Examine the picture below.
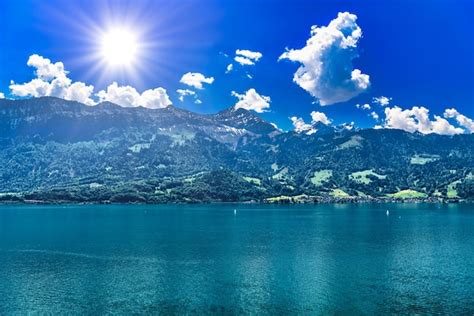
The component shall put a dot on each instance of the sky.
(383, 64)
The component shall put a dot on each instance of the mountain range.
(53, 150)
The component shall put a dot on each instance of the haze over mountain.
(57, 150)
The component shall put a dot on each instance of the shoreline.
(262, 202)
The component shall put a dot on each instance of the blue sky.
(419, 53)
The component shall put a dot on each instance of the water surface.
(310, 259)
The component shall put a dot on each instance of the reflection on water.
(347, 259)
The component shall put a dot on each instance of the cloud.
(80, 92)
(247, 57)
(383, 101)
(128, 96)
(196, 80)
(2, 96)
(229, 68)
(374, 115)
(417, 119)
(363, 106)
(52, 80)
(300, 126)
(45, 69)
(184, 92)
(251, 100)
(249, 54)
(319, 117)
(462, 120)
(154, 98)
(326, 71)
(348, 126)
(244, 61)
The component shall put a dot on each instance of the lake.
(264, 259)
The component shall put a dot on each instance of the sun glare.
(119, 47)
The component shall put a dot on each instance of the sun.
(119, 47)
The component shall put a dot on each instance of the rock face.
(110, 153)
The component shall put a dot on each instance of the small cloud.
(365, 106)
(300, 126)
(249, 76)
(255, 56)
(2, 96)
(244, 61)
(196, 80)
(374, 115)
(417, 119)
(251, 100)
(383, 101)
(229, 68)
(184, 92)
(326, 70)
(247, 57)
(348, 126)
(128, 96)
(462, 120)
(319, 117)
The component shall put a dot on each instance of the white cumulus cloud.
(196, 79)
(462, 120)
(229, 68)
(247, 57)
(326, 70)
(128, 96)
(383, 101)
(2, 96)
(252, 100)
(300, 126)
(417, 119)
(45, 69)
(319, 117)
(154, 98)
(52, 80)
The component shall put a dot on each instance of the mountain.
(54, 150)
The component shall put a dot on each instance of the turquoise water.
(324, 259)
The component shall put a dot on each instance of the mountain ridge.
(56, 150)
